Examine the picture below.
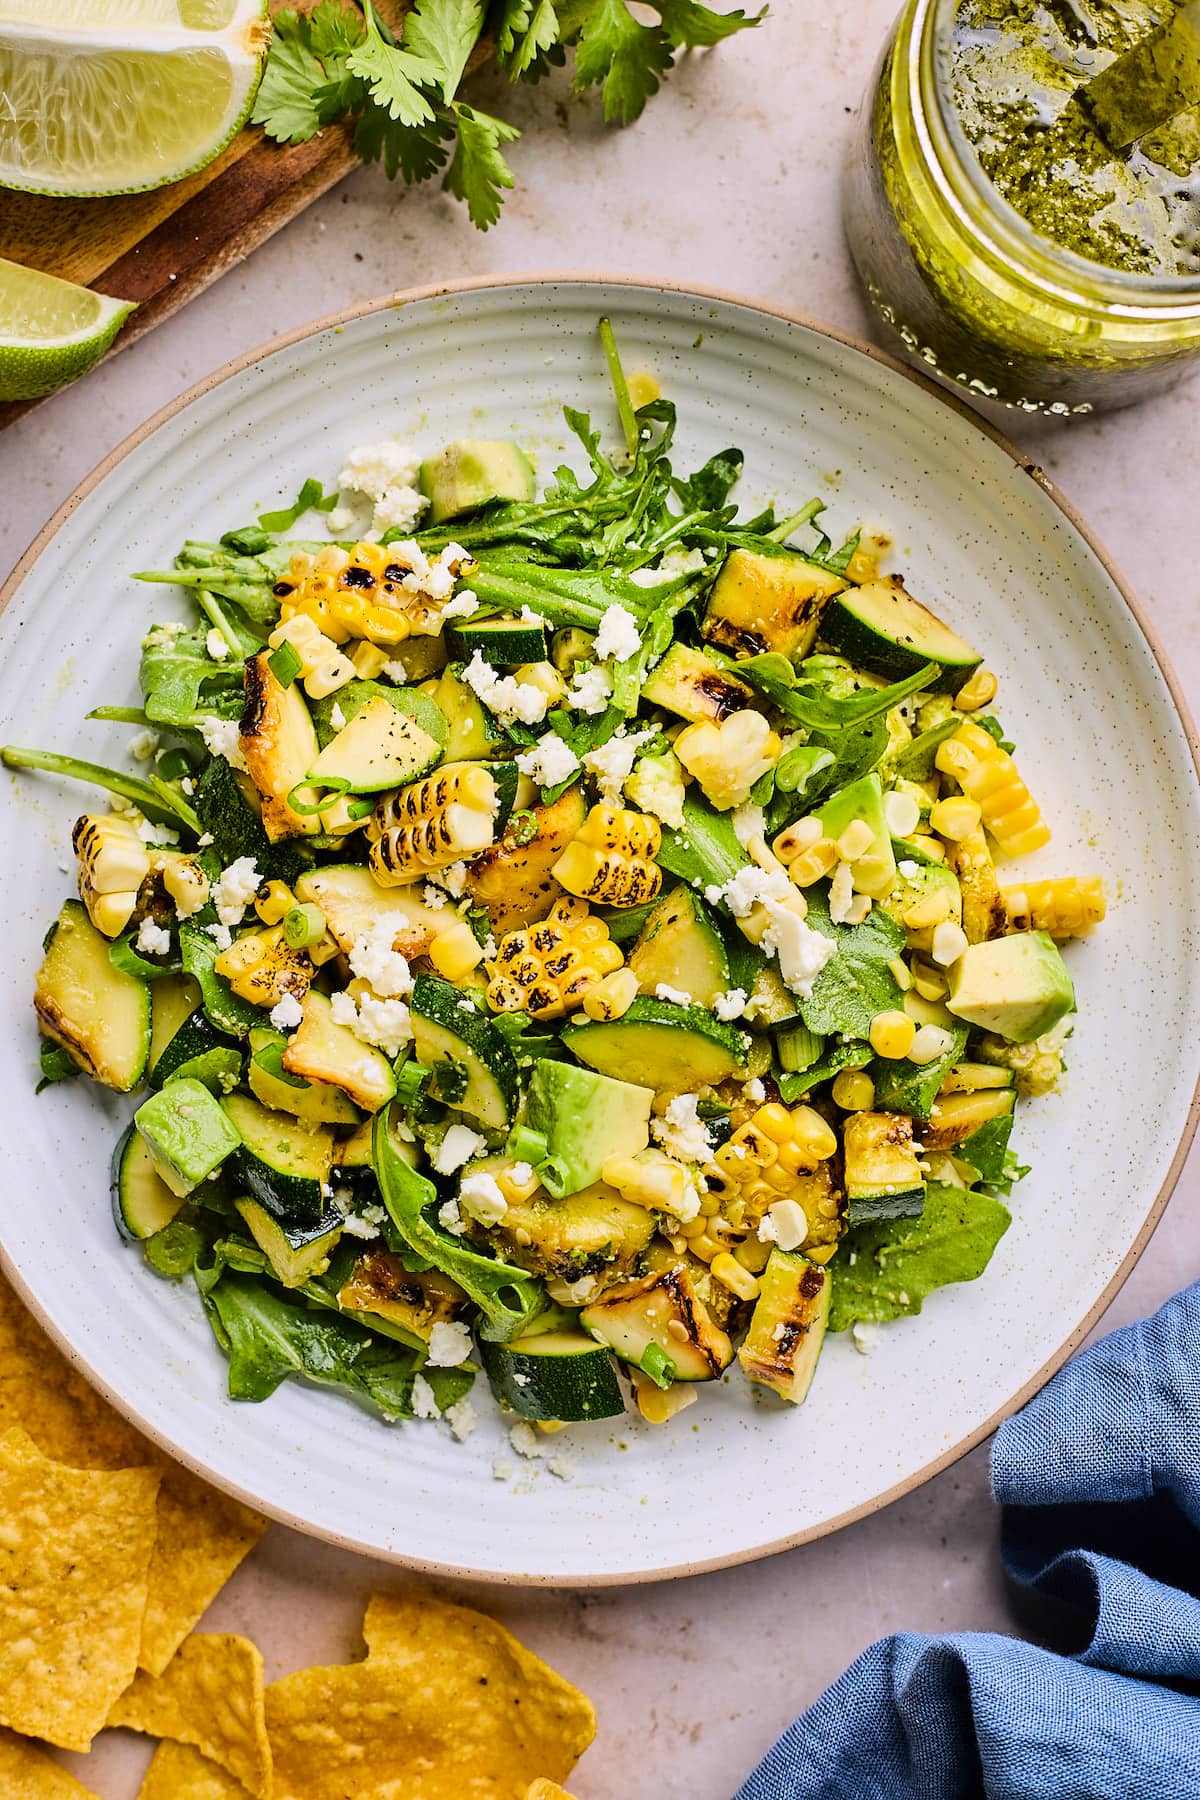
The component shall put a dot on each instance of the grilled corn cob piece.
(654, 1180)
(988, 775)
(983, 911)
(370, 592)
(260, 967)
(546, 969)
(612, 996)
(113, 863)
(442, 819)
(611, 858)
(323, 667)
(727, 759)
(779, 1155)
(1067, 906)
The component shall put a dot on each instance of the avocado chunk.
(760, 603)
(186, 1132)
(472, 472)
(875, 870)
(585, 1118)
(1016, 986)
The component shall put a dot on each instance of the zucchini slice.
(349, 700)
(321, 1050)
(281, 1162)
(379, 748)
(279, 742)
(275, 1086)
(761, 603)
(199, 1050)
(660, 1045)
(592, 1232)
(472, 732)
(956, 1116)
(142, 1201)
(99, 1015)
(883, 1176)
(174, 998)
(680, 947)
(554, 1375)
(635, 1320)
(503, 642)
(689, 683)
(882, 628)
(295, 1252)
(379, 1286)
(787, 1327)
(473, 1067)
(353, 902)
(968, 1078)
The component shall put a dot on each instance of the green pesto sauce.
(1016, 66)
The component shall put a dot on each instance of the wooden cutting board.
(163, 247)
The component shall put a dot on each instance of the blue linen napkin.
(1099, 1478)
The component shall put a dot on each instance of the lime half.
(101, 98)
(50, 330)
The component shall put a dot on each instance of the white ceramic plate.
(1099, 736)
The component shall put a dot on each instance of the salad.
(560, 936)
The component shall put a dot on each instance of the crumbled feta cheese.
(527, 615)
(375, 961)
(424, 1404)
(802, 951)
(673, 564)
(235, 889)
(150, 833)
(525, 1441)
(337, 717)
(589, 690)
(681, 1130)
(508, 698)
(386, 475)
(754, 1091)
(386, 1024)
(462, 606)
(453, 879)
(189, 787)
(550, 761)
(406, 553)
(450, 1219)
(462, 1419)
(676, 996)
(204, 840)
(221, 739)
(612, 763)
(287, 1013)
(521, 1172)
(619, 635)
(216, 645)
(841, 893)
(397, 510)
(144, 745)
(748, 821)
(152, 939)
(353, 1226)
(858, 909)
(221, 935)
(434, 897)
(502, 1469)
(767, 1234)
(340, 522)
(458, 1146)
(749, 888)
(790, 1222)
(480, 1196)
(449, 1345)
(864, 1336)
(731, 1004)
(562, 1464)
(908, 868)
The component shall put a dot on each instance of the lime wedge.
(50, 330)
(113, 96)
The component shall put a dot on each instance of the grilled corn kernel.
(369, 660)
(797, 838)
(113, 863)
(900, 973)
(656, 1404)
(445, 818)
(260, 967)
(706, 1246)
(891, 1035)
(989, 776)
(612, 996)
(955, 818)
(813, 863)
(948, 943)
(548, 968)
(183, 880)
(654, 1180)
(273, 901)
(544, 677)
(930, 1042)
(455, 952)
(611, 857)
(855, 841)
(767, 1158)
(976, 691)
(902, 814)
(929, 982)
(1067, 906)
(357, 595)
(727, 759)
(734, 1276)
(854, 1091)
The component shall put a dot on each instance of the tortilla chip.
(211, 1695)
(548, 1790)
(26, 1773)
(75, 1550)
(202, 1535)
(447, 1706)
(177, 1772)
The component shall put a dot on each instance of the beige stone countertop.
(730, 180)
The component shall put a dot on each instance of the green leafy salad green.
(571, 935)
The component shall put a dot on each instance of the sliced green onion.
(526, 1145)
(285, 663)
(658, 1365)
(410, 1081)
(303, 926)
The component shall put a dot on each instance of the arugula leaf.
(815, 707)
(394, 76)
(855, 984)
(312, 497)
(897, 1264)
(625, 59)
(174, 671)
(152, 796)
(478, 172)
(443, 34)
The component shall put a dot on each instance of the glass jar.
(961, 283)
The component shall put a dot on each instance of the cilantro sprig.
(401, 90)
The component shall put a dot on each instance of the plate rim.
(849, 340)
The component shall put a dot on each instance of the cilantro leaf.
(414, 151)
(526, 31)
(395, 76)
(897, 1264)
(855, 984)
(284, 105)
(626, 59)
(478, 172)
(443, 33)
(695, 27)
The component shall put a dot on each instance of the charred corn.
(1067, 906)
(612, 996)
(983, 910)
(323, 667)
(260, 967)
(113, 863)
(432, 823)
(988, 775)
(183, 880)
(654, 1180)
(370, 592)
(778, 1154)
(727, 759)
(546, 969)
(611, 858)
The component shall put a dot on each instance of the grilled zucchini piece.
(474, 1069)
(353, 903)
(99, 1015)
(321, 1050)
(380, 747)
(883, 1176)
(956, 1116)
(174, 998)
(560, 1375)
(761, 603)
(680, 946)
(689, 683)
(276, 1087)
(592, 1232)
(635, 1320)
(283, 1163)
(142, 1201)
(295, 1252)
(660, 1045)
(513, 878)
(279, 742)
(787, 1327)
(380, 1286)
